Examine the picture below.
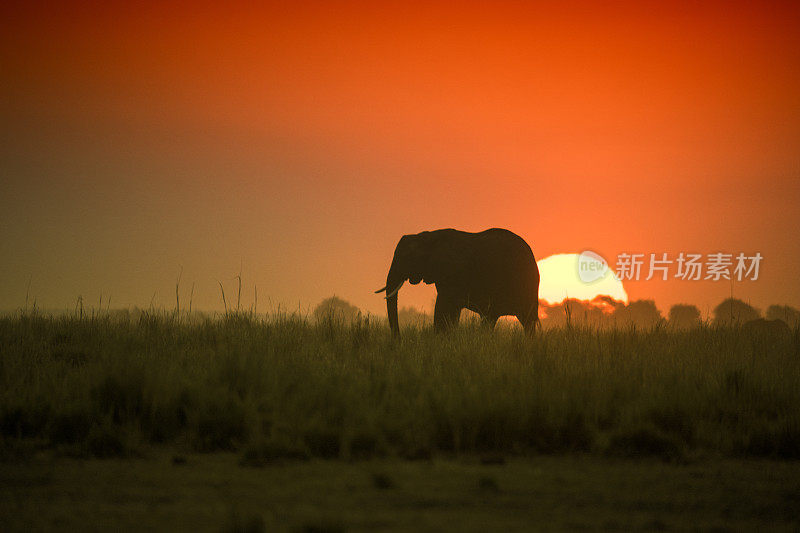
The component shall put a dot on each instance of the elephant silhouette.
(492, 273)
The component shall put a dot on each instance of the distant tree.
(639, 313)
(595, 313)
(787, 313)
(558, 314)
(334, 308)
(733, 312)
(607, 302)
(411, 316)
(590, 314)
(769, 328)
(684, 316)
(546, 309)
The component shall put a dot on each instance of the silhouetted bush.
(600, 313)
(684, 316)
(335, 309)
(788, 314)
(733, 312)
(639, 313)
(596, 313)
(760, 330)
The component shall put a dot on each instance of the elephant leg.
(445, 314)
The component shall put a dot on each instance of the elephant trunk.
(393, 283)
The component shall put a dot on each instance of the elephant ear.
(445, 260)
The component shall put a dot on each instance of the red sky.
(298, 143)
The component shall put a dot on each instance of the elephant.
(492, 273)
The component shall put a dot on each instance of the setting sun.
(560, 279)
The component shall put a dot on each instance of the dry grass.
(282, 387)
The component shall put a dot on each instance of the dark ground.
(212, 492)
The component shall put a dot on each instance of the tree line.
(601, 312)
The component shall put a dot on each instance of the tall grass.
(284, 387)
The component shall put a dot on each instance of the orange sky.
(301, 142)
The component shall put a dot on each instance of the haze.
(297, 144)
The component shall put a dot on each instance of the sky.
(296, 143)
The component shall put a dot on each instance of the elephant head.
(420, 257)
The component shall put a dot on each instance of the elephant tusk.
(381, 290)
(390, 294)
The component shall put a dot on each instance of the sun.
(581, 276)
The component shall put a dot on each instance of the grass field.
(607, 418)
